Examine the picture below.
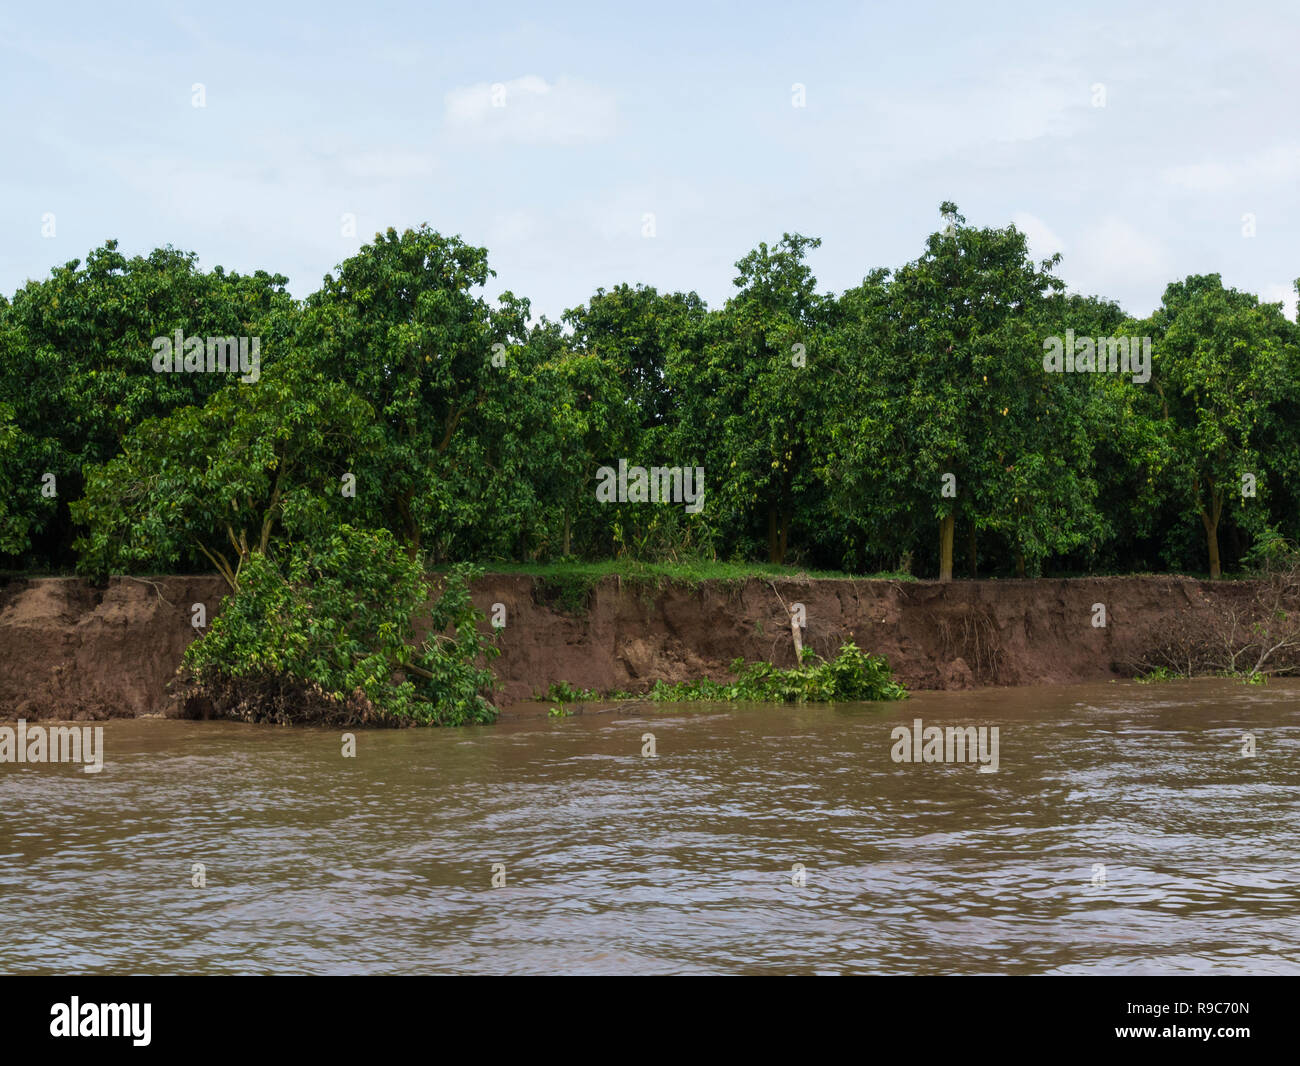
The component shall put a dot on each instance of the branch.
(222, 565)
(398, 665)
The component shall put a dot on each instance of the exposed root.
(973, 637)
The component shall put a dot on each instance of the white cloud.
(528, 110)
(395, 165)
(1271, 294)
(1043, 241)
(1115, 258)
(511, 228)
(1277, 164)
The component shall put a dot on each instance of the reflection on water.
(681, 863)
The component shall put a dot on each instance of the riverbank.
(72, 650)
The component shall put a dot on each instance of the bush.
(853, 675)
(328, 636)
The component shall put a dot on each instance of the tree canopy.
(929, 418)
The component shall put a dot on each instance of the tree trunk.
(785, 534)
(773, 537)
(973, 556)
(947, 527)
(1020, 564)
(566, 533)
(1210, 520)
(1212, 540)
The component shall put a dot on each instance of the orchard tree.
(757, 397)
(78, 363)
(1225, 373)
(257, 463)
(630, 395)
(28, 496)
(640, 332)
(401, 323)
(589, 424)
(951, 412)
(18, 501)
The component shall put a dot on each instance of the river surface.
(615, 862)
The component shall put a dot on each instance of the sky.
(586, 145)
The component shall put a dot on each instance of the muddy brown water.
(683, 863)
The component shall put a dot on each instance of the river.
(685, 862)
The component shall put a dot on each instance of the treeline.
(908, 422)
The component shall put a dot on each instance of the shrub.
(328, 636)
(853, 675)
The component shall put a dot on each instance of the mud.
(71, 650)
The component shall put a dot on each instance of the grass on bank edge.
(690, 571)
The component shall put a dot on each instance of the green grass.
(690, 572)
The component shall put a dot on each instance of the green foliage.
(76, 359)
(1227, 385)
(755, 396)
(256, 463)
(824, 424)
(1158, 675)
(332, 625)
(563, 692)
(852, 676)
(400, 322)
(945, 363)
(20, 506)
(627, 385)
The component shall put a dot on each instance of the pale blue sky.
(384, 110)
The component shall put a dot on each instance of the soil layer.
(72, 650)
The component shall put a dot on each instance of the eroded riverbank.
(72, 650)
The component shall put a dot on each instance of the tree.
(629, 371)
(15, 518)
(951, 413)
(77, 361)
(758, 392)
(1225, 365)
(589, 424)
(399, 322)
(640, 332)
(218, 482)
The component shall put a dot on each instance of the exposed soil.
(71, 650)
